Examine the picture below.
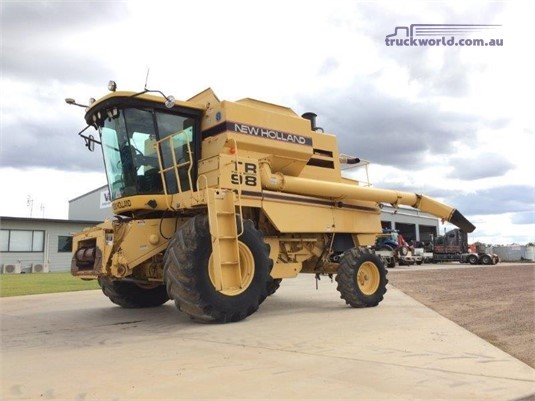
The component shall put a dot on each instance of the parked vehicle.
(453, 246)
(393, 249)
(216, 202)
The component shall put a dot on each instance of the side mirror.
(89, 140)
(90, 143)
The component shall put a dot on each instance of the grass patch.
(12, 285)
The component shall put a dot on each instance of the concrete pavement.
(301, 344)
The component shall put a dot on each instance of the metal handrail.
(175, 166)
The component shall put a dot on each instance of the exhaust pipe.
(312, 118)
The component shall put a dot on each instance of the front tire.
(188, 270)
(130, 295)
(273, 286)
(361, 278)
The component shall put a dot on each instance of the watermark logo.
(445, 35)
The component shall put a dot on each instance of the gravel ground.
(495, 302)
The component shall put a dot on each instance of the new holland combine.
(216, 202)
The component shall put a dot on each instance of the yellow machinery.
(216, 202)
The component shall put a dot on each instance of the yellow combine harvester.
(216, 202)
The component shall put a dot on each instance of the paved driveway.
(301, 344)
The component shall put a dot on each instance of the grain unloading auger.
(339, 191)
(216, 202)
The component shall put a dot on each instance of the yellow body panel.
(124, 245)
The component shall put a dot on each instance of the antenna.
(147, 78)
(29, 203)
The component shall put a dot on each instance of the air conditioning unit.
(40, 268)
(15, 268)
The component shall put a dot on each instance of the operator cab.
(148, 148)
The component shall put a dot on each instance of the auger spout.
(336, 190)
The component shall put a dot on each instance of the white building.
(37, 245)
(94, 205)
(413, 224)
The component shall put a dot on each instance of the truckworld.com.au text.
(443, 42)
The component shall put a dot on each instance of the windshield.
(128, 143)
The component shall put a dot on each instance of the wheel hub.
(368, 278)
(235, 280)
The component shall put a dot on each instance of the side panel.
(354, 219)
(261, 128)
(115, 248)
(240, 174)
(144, 238)
(300, 214)
(289, 216)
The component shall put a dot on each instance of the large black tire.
(473, 259)
(130, 295)
(273, 286)
(486, 260)
(361, 278)
(187, 277)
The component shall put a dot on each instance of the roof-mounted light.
(73, 102)
(112, 86)
(169, 102)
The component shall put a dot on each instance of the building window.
(4, 240)
(22, 241)
(64, 243)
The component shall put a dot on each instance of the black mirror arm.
(89, 140)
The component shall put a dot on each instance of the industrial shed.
(413, 224)
(37, 245)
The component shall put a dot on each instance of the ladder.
(224, 232)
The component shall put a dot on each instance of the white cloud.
(51, 189)
(424, 114)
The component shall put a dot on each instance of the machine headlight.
(112, 86)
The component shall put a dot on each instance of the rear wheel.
(486, 260)
(361, 278)
(472, 259)
(130, 295)
(189, 273)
